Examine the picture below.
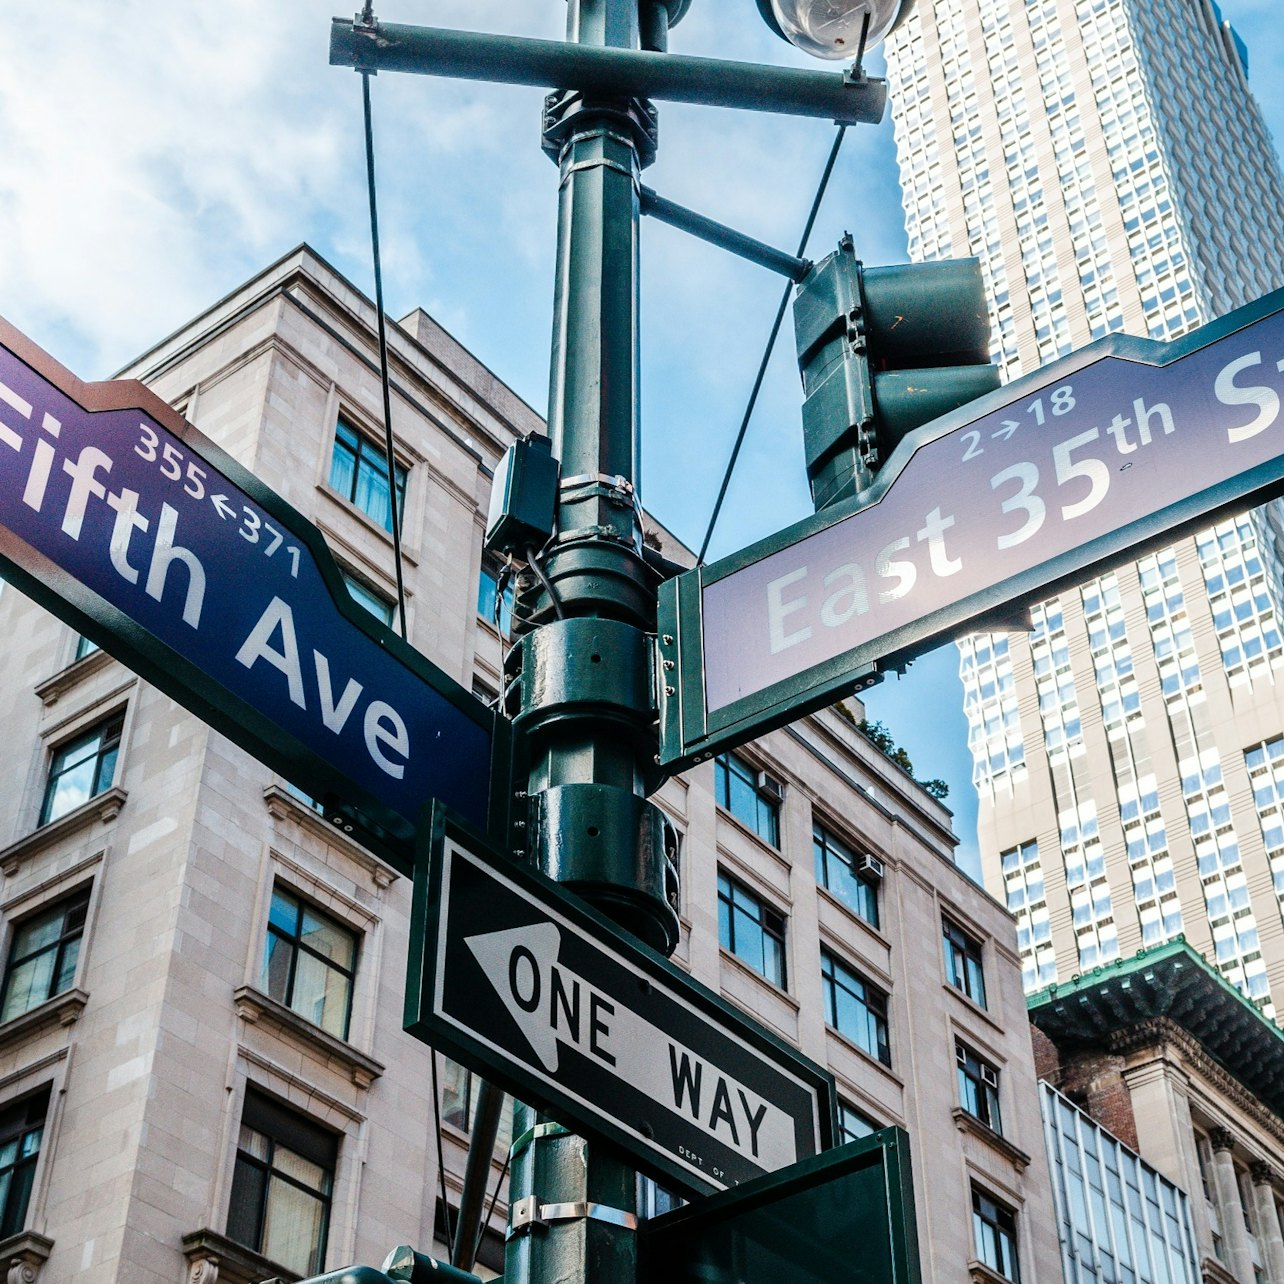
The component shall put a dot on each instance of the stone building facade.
(1164, 1053)
(203, 1074)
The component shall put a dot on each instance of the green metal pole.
(586, 703)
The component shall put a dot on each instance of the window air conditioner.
(870, 867)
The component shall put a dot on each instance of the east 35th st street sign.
(513, 976)
(1113, 450)
(118, 516)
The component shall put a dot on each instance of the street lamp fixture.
(834, 28)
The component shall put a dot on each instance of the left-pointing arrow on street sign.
(516, 963)
(552, 1005)
(518, 981)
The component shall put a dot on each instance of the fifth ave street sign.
(1097, 457)
(121, 518)
(524, 983)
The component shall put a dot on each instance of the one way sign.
(526, 984)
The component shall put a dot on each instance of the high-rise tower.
(1107, 162)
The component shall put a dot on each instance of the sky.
(156, 154)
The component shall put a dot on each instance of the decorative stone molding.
(1221, 1139)
(23, 1256)
(104, 807)
(1153, 1034)
(284, 806)
(62, 1009)
(1211, 1271)
(979, 1273)
(53, 689)
(965, 1121)
(1261, 1172)
(254, 1006)
(214, 1259)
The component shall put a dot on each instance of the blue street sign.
(994, 506)
(121, 518)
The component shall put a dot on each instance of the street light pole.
(582, 680)
(586, 700)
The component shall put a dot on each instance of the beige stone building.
(203, 1075)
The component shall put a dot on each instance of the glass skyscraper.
(1106, 161)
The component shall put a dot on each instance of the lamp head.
(832, 28)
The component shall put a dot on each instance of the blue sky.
(155, 155)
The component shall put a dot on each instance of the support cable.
(494, 1199)
(367, 17)
(441, 1155)
(771, 343)
(532, 560)
(383, 356)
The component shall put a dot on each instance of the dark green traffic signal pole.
(582, 678)
(625, 70)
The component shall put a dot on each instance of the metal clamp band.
(600, 162)
(546, 1129)
(529, 1214)
(612, 480)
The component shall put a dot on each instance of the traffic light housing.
(881, 351)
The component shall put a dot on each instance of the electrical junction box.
(523, 497)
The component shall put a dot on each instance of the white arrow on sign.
(552, 1006)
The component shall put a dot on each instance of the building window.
(855, 1007)
(751, 930)
(963, 967)
(281, 1186)
(994, 1233)
(359, 472)
(308, 962)
(85, 646)
(459, 1087)
(495, 595)
(82, 768)
(383, 609)
(847, 875)
(42, 958)
(852, 1124)
(751, 796)
(978, 1087)
(22, 1127)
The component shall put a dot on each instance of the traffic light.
(881, 351)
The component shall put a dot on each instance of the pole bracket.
(529, 1215)
(538, 1133)
(572, 115)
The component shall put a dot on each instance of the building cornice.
(1160, 1034)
